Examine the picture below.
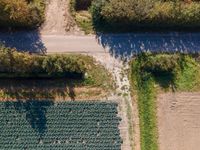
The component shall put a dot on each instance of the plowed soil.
(179, 121)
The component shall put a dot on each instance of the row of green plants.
(153, 72)
(45, 125)
(18, 64)
(129, 15)
(22, 13)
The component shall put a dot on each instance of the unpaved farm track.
(129, 126)
(58, 19)
(179, 121)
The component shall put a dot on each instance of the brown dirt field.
(179, 121)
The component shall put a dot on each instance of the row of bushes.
(21, 13)
(15, 64)
(131, 14)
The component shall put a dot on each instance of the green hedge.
(15, 64)
(22, 13)
(129, 15)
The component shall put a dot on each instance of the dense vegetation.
(21, 13)
(44, 125)
(67, 76)
(128, 15)
(176, 72)
(16, 64)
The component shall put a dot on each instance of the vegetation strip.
(174, 72)
(129, 15)
(29, 14)
(23, 65)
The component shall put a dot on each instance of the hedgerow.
(129, 15)
(21, 13)
(15, 64)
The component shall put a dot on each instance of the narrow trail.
(129, 126)
(58, 19)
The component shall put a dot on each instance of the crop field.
(65, 125)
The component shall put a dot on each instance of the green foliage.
(128, 15)
(21, 13)
(84, 21)
(66, 125)
(82, 15)
(144, 84)
(16, 64)
(187, 78)
(177, 71)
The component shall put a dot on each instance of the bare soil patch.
(179, 121)
(58, 19)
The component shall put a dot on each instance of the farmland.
(155, 73)
(64, 125)
(178, 121)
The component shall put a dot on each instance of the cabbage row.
(67, 125)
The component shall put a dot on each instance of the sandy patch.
(58, 19)
(179, 121)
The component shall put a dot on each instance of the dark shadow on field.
(126, 45)
(165, 80)
(29, 41)
(39, 89)
(33, 97)
(35, 112)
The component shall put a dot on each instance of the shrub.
(131, 14)
(16, 64)
(21, 13)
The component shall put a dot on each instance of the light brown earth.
(179, 121)
(58, 20)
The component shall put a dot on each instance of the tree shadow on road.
(29, 41)
(126, 45)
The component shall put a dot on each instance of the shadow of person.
(35, 112)
(126, 45)
(29, 41)
(71, 91)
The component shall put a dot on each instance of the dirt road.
(58, 19)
